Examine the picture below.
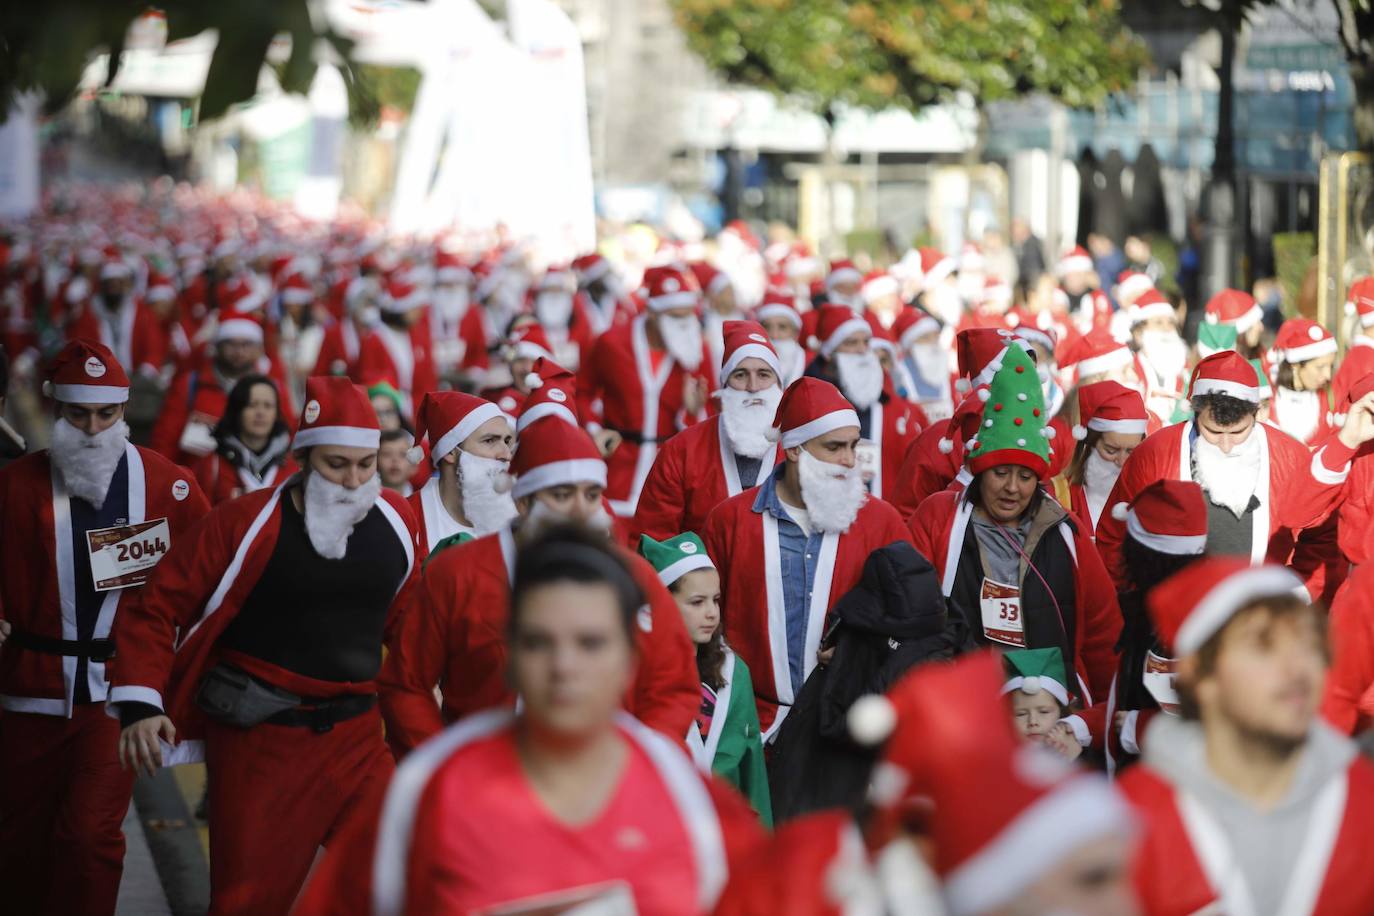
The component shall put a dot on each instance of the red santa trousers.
(276, 794)
(63, 797)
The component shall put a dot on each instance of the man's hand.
(823, 656)
(693, 395)
(607, 441)
(139, 749)
(4, 631)
(1359, 423)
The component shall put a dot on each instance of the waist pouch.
(234, 697)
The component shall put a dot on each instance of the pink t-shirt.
(498, 849)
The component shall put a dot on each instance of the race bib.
(1158, 678)
(866, 456)
(1001, 606)
(123, 556)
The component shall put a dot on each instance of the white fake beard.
(1229, 480)
(541, 517)
(854, 301)
(682, 338)
(87, 463)
(554, 310)
(791, 357)
(1299, 412)
(833, 493)
(747, 420)
(1099, 476)
(861, 377)
(451, 301)
(484, 485)
(1166, 352)
(332, 510)
(931, 361)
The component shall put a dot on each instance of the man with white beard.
(790, 547)
(645, 381)
(783, 324)
(1262, 485)
(451, 298)
(1161, 351)
(73, 515)
(844, 285)
(453, 636)
(720, 305)
(887, 423)
(470, 444)
(927, 361)
(706, 464)
(563, 316)
(261, 641)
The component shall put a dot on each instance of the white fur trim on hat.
(524, 349)
(839, 335)
(351, 436)
(239, 329)
(1139, 313)
(922, 327)
(756, 350)
(1314, 350)
(671, 573)
(1112, 359)
(1180, 545)
(836, 419)
(680, 299)
(1116, 426)
(1035, 336)
(560, 473)
(1074, 264)
(843, 275)
(1204, 386)
(886, 285)
(1247, 321)
(295, 296)
(541, 410)
(473, 419)
(1039, 682)
(778, 310)
(90, 394)
(1228, 596)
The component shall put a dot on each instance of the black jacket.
(891, 621)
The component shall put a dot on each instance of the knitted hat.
(835, 324)
(1168, 516)
(529, 342)
(1150, 304)
(336, 412)
(1034, 670)
(812, 407)
(1096, 352)
(975, 350)
(1226, 373)
(912, 324)
(744, 339)
(1014, 427)
(1213, 338)
(1266, 390)
(1110, 407)
(779, 303)
(1360, 301)
(1301, 339)
(553, 392)
(86, 372)
(1233, 307)
(675, 557)
(552, 453)
(1075, 260)
(449, 417)
(1192, 605)
(1131, 283)
(670, 286)
(842, 271)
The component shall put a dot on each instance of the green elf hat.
(1265, 391)
(389, 390)
(675, 557)
(1033, 670)
(1213, 338)
(1013, 430)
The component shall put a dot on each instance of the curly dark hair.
(1226, 410)
(710, 654)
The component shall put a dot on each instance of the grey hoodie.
(1265, 844)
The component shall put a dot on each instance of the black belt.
(322, 715)
(97, 650)
(634, 438)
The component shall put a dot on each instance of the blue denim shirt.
(799, 556)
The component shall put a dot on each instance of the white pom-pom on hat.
(533, 380)
(1047, 432)
(984, 394)
(1119, 511)
(415, 454)
(1080, 432)
(963, 386)
(47, 388)
(871, 720)
(945, 446)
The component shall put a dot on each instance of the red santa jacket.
(37, 591)
(1356, 519)
(480, 333)
(454, 636)
(1348, 703)
(741, 536)
(1355, 365)
(340, 350)
(1178, 855)
(199, 396)
(142, 344)
(222, 481)
(168, 639)
(622, 388)
(938, 530)
(1297, 489)
(694, 472)
(402, 358)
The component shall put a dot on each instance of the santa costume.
(402, 356)
(1103, 407)
(130, 330)
(1358, 361)
(775, 621)
(607, 305)
(1091, 309)
(71, 572)
(562, 313)
(927, 364)
(637, 391)
(527, 343)
(1204, 847)
(269, 602)
(792, 355)
(700, 467)
(454, 635)
(1308, 416)
(1163, 355)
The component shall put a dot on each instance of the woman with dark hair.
(1305, 360)
(1016, 564)
(1111, 422)
(251, 443)
(564, 803)
(725, 739)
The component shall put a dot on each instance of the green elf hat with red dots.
(1013, 430)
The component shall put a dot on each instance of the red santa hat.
(1226, 372)
(1192, 605)
(449, 268)
(558, 279)
(779, 303)
(86, 372)
(670, 286)
(1168, 516)
(936, 265)
(115, 267)
(297, 290)
(710, 278)
(1360, 301)
(996, 292)
(811, 407)
(744, 339)
(1233, 307)
(842, 271)
(1096, 352)
(964, 423)
(1029, 332)
(971, 259)
(160, 288)
(591, 267)
(1002, 811)
(877, 285)
(449, 417)
(1150, 304)
(912, 324)
(976, 351)
(239, 325)
(553, 453)
(336, 412)
(1110, 407)
(1131, 283)
(1075, 260)
(401, 296)
(553, 392)
(529, 342)
(1301, 339)
(835, 324)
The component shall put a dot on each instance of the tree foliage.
(912, 53)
